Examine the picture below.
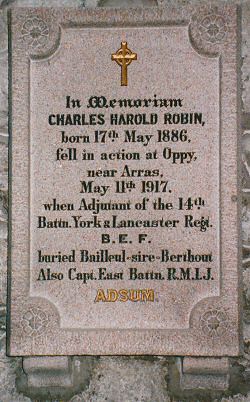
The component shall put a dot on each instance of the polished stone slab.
(124, 119)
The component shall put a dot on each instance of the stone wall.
(125, 379)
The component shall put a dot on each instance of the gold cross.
(124, 56)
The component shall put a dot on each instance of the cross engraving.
(124, 57)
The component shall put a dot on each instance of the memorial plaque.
(124, 230)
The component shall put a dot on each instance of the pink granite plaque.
(124, 193)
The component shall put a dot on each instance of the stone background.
(124, 379)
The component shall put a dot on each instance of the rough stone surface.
(246, 56)
(44, 3)
(128, 3)
(191, 365)
(116, 379)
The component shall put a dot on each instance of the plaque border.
(23, 339)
